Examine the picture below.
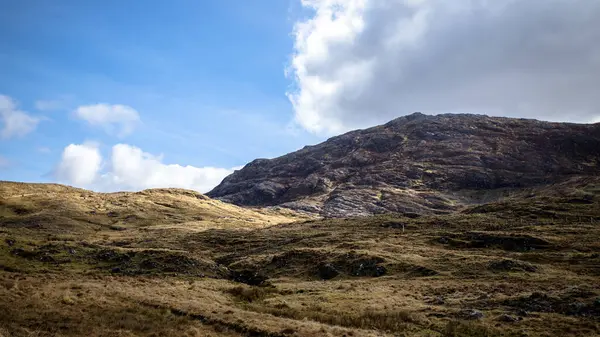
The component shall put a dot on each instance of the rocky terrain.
(418, 164)
(171, 262)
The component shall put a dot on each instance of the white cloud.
(130, 168)
(80, 164)
(362, 62)
(16, 123)
(119, 119)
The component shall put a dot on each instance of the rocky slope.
(418, 163)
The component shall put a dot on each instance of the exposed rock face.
(417, 163)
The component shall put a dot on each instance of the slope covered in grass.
(527, 265)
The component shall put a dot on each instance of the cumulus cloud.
(15, 123)
(80, 164)
(130, 168)
(118, 119)
(362, 62)
(134, 169)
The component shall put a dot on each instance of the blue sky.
(126, 95)
(206, 77)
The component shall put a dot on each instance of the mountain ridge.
(417, 163)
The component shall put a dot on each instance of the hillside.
(42, 207)
(175, 263)
(418, 164)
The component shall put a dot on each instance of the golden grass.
(158, 208)
(530, 265)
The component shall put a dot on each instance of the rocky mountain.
(418, 163)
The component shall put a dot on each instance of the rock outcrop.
(418, 164)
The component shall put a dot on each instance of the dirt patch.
(159, 262)
(357, 265)
(249, 277)
(49, 253)
(394, 224)
(506, 265)
(327, 271)
(125, 262)
(588, 200)
(298, 263)
(521, 243)
(296, 259)
(30, 221)
(410, 270)
(575, 303)
(420, 271)
(251, 294)
(313, 264)
(32, 255)
(15, 209)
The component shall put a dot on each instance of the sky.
(126, 95)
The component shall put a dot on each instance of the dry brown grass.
(529, 265)
(250, 294)
(85, 211)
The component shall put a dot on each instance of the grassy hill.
(172, 262)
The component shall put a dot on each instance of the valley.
(172, 262)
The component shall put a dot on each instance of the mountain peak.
(417, 163)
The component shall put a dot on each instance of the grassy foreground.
(175, 263)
